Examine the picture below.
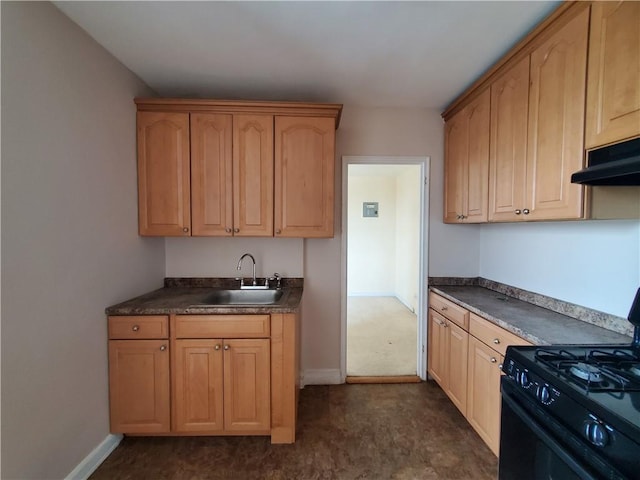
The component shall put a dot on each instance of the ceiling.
(387, 54)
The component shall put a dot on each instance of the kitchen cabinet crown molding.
(302, 109)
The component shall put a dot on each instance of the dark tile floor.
(401, 431)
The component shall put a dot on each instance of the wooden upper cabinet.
(556, 122)
(613, 89)
(219, 168)
(507, 171)
(304, 176)
(467, 163)
(253, 175)
(163, 174)
(211, 174)
(456, 148)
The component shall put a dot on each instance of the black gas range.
(572, 411)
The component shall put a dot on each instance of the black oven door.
(529, 449)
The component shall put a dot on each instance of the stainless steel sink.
(243, 297)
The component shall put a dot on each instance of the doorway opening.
(384, 258)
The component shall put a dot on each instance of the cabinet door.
(613, 89)
(476, 178)
(456, 149)
(304, 180)
(247, 371)
(483, 400)
(467, 163)
(437, 348)
(163, 174)
(556, 122)
(253, 175)
(507, 164)
(198, 386)
(457, 351)
(211, 174)
(139, 386)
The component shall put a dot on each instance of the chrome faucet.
(254, 268)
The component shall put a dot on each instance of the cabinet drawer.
(138, 327)
(453, 312)
(222, 326)
(492, 335)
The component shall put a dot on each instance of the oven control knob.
(543, 394)
(596, 433)
(523, 379)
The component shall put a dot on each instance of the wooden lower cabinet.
(139, 386)
(207, 386)
(483, 400)
(246, 385)
(198, 386)
(448, 358)
(464, 364)
(222, 385)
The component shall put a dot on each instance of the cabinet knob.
(278, 231)
(496, 341)
(525, 211)
(226, 347)
(236, 230)
(228, 230)
(518, 211)
(444, 307)
(493, 360)
(217, 347)
(163, 348)
(185, 229)
(135, 328)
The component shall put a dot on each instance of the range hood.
(617, 164)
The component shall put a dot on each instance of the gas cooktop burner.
(594, 369)
(586, 372)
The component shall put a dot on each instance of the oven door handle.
(551, 442)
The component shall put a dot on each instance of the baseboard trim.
(322, 376)
(389, 379)
(92, 461)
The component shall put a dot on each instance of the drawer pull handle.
(163, 348)
(135, 328)
(443, 308)
(493, 360)
(496, 341)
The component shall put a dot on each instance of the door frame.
(424, 163)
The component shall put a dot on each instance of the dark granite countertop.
(183, 296)
(540, 326)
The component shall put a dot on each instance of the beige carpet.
(381, 337)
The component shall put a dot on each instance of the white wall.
(595, 264)
(371, 251)
(408, 185)
(69, 235)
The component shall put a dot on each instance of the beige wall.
(382, 132)
(69, 235)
